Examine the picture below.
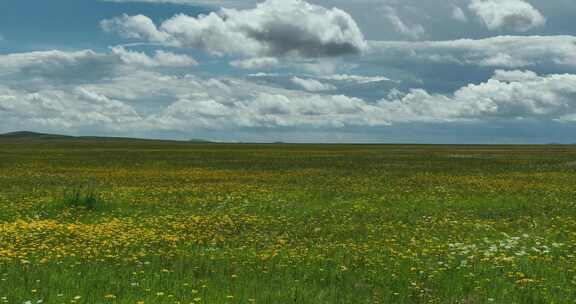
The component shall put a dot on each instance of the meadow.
(95, 221)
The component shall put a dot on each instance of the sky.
(362, 71)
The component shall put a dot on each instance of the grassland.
(200, 223)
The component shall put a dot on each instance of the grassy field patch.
(153, 222)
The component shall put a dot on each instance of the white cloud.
(149, 100)
(500, 51)
(261, 74)
(317, 66)
(169, 59)
(37, 69)
(522, 95)
(14, 61)
(227, 103)
(267, 109)
(73, 67)
(321, 66)
(274, 28)
(160, 58)
(413, 31)
(225, 3)
(509, 95)
(512, 76)
(356, 78)
(135, 27)
(312, 85)
(62, 109)
(256, 63)
(516, 15)
(458, 14)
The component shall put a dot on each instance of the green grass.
(78, 198)
(159, 222)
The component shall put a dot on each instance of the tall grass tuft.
(79, 198)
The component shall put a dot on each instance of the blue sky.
(72, 24)
(438, 71)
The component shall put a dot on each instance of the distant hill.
(27, 135)
(199, 141)
(559, 144)
(32, 135)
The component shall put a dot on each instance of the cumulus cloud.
(322, 66)
(267, 109)
(309, 81)
(85, 66)
(413, 31)
(508, 95)
(135, 27)
(369, 88)
(312, 85)
(160, 59)
(515, 15)
(184, 103)
(149, 99)
(256, 63)
(274, 28)
(356, 78)
(317, 66)
(501, 51)
(62, 109)
(513, 76)
(458, 14)
(225, 3)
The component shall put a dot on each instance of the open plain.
(121, 221)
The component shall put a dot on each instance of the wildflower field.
(167, 222)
